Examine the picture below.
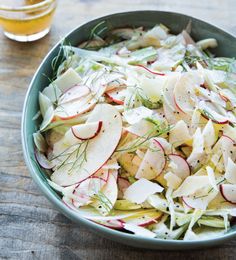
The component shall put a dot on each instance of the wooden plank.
(30, 227)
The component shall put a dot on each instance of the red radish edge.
(153, 72)
(153, 221)
(226, 136)
(91, 137)
(214, 121)
(177, 106)
(121, 224)
(224, 98)
(186, 203)
(42, 164)
(164, 156)
(175, 154)
(222, 193)
(117, 101)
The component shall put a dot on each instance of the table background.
(30, 227)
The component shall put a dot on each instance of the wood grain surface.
(30, 227)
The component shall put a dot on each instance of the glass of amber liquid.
(26, 20)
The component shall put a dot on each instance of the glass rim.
(27, 7)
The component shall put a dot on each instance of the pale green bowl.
(175, 21)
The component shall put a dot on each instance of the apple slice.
(117, 95)
(179, 166)
(144, 218)
(87, 131)
(98, 150)
(139, 191)
(228, 191)
(74, 93)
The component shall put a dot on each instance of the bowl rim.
(112, 234)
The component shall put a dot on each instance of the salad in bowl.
(138, 133)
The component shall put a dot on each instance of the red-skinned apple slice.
(74, 93)
(98, 150)
(117, 95)
(153, 163)
(180, 166)
(228, 191)
(144, 218)
(87, 131)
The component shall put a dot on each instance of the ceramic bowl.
(176, 22)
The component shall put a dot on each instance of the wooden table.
(30, 227)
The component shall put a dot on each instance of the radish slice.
(184, 91)
(139, 191)
(144, 218)
(103, 147)
(228, 149)
(230, 171)
(43, 161)
(74, 93)
(208, 110)
(139, 231)
(151, 71)
(179, 166)
(87, 131)
(153, 162)
(168, 91)
(117, 95)
(199, 201)
(86, 190)
(228, 191)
